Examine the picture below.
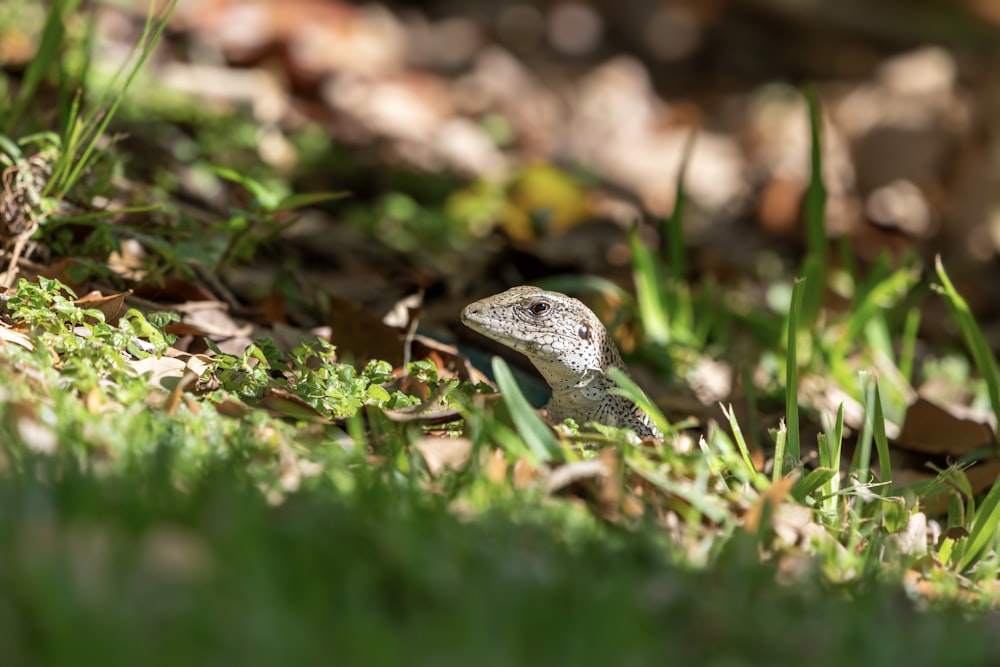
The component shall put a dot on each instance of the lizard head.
(558, 333)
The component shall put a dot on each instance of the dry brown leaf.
(235, 346)
(284, 404)
(172, 365)
(232, 408)
(577, 471)
(421, 414)
(174, 291)
(441, 454)
(189, 379)
(8, 335)
(111, 306)
(936, 429)
(495, 465)
(196, 363)
(612, 494)
(208, 318)
(359, 334)
(129, 260)
(405, 311)
(159, 369)
(524, 474)
(94, 401)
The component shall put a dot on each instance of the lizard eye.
(584, 331)
(539, 308)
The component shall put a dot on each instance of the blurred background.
(508, 141)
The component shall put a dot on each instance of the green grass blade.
(46, 57)
(908, 343)
(814, 266)
(535, 433)
(987, 518)
(741, 442)
(792, 368)
(973, 337)
(881, 442)
(868, 309)
(649, 295)
(68, 142)
(984, 527)
(99, 119)
(816, 479)
(863, 454)
(830, 448)
(780, 438)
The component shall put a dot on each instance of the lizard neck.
(585, 397)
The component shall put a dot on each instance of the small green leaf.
(377, 393)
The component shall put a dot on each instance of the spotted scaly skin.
(570, 348)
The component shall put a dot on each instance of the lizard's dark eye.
(584, 331)
(539, 308)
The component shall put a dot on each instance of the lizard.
(571, 349)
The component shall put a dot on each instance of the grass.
(273, 505)
(128, 569)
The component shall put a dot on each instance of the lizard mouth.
(473, 318)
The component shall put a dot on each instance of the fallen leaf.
(441, 454)
(425, 415)
(495, 466)
(8, 335)
(174, 291)
(577, 471)
(207, 318)
(282, 403)
(524, 474)
(111, 307)
(360, 335)
(935, 429)
(159, 368)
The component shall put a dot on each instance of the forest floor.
(240, 421)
